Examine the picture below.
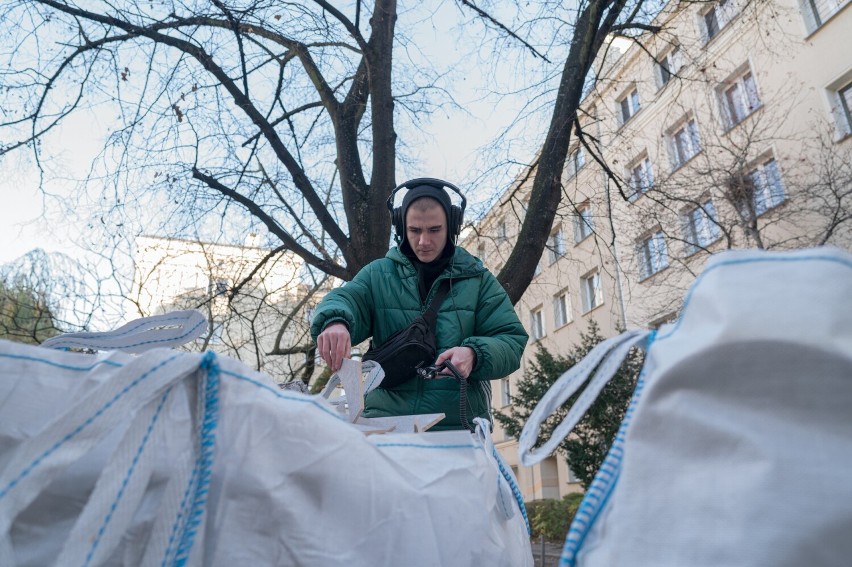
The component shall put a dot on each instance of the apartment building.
(257, 302)
(730, 128)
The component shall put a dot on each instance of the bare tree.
(42, 295)
(284, 111)
(257, 302)
(682, 147)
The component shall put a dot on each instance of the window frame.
(689, 127)
(699, 227)
(652, 253)
(844, 108)
(562, 312)
(766, 196)
(556, 245)
(814, 17)
(591, 291)
(642, 182)
(739, 97)
(629, 101)
(673, 59)
(506, 391)
(537, 323)
(722, 13)
(576, 160)
(502, 233)
(584, 224)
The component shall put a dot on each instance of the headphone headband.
(455, 214)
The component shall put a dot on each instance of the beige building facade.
(730, 128)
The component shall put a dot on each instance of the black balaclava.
(427, 272)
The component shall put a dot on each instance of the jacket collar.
(463, 264)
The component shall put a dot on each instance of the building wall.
(246, 297)
(787, 140)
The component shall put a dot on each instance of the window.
(817, 12)
(684, 143)
(668, 66)
(576, 160)
(561, 309)
(843, 109)
(590, 289)
(641, 178)
(653, 255)
(628, 105)
(699, 227)
(716, 18)
(536, 324)
(556, 245)
(505, 392)
(501, 231)
(572, 478)
(583, 223)
(218, 287)
(764, 188)
(480, 252)
(537, 271)
(739, 99)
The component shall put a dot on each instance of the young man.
(477, 329)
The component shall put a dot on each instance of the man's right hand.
(334, 344)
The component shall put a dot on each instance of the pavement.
(552, 553)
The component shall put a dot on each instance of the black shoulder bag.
(410, 347)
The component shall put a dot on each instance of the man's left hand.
(463, 358)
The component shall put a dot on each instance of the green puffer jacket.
(383, 298)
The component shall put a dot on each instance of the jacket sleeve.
(499, 338)
(352, 304)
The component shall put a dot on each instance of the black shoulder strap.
(431, 314)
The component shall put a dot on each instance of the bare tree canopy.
(285, 111)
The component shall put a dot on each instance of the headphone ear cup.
(455, 220)
(396, 219)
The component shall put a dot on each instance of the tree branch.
(482, 13)
(271, 224)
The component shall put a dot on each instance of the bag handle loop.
(141, 393)
(166, 330)
(604, 361)
(507, 487)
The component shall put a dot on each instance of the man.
(477, 329)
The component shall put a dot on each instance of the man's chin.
(426, 258)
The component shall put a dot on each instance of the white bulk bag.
(180, 458)
(736, 449)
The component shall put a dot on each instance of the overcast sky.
(30, 219)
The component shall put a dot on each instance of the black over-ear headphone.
(456, 213)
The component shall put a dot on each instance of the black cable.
(431, 372)
(462, 394)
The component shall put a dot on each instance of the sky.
(30, 219)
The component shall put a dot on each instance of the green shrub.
(551, 518)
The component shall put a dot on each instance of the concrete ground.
(552, 552)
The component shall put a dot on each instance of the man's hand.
(462, 357)
(334, 344)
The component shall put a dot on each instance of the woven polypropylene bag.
(177, 458)
(736, 449)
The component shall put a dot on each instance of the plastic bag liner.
(169, 458)
(736, 448)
